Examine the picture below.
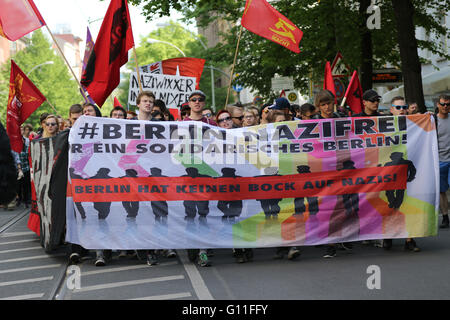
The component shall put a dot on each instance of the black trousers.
(24, 188)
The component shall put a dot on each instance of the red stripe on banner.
(264, 187)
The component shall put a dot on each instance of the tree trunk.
(366, 47)
(411, 67)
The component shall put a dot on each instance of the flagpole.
(137, 68)
(52, 107)
(232, 68)
(65, 59)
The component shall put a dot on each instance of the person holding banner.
(249, 118)
(371, 101)
(118, 113)
(307, 111)
(224, 119)
(90, 109)
(324, 102)
(197, 103)
(145, 102)
(264, 113)
(75, 111)
(443, 134)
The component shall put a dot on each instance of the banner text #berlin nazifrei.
(172, 185)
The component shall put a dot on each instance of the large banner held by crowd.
(153, 185)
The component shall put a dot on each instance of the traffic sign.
(237, 87)
(282, 83)
(339, 88)
(339, 68)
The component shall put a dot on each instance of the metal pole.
(67, 62)
(232, 69)
(212, 90)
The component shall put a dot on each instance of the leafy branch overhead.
(329, 26)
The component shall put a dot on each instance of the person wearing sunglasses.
(208, 113)
(371, 101)
(443, 135)
(51, 126)
(237, 115)
(197, 103)
(224, 119)
(398, 106)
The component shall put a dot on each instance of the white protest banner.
(173, 90)
(186, 184)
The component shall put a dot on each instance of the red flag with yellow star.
(24, 99)
(261, 18)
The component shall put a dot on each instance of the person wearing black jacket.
(371, 102)
(8, 173)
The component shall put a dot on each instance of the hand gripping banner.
(171, 185)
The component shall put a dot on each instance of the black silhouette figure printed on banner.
(351, 201)
(230, 209)
(131, 207)
(192, 207)
(395, 197)
(299, 203)
(80, 208)
(160, 208)
(103, 208)
(270, 207)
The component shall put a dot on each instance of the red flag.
(18, 18)
(262, 19)
(328, 82)
(24, 99)
(187, 67)
(354, 93)
(102, 74)
(117, 103)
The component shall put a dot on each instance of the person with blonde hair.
(50, 126)
(249, 118)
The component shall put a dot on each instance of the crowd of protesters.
(235, 116)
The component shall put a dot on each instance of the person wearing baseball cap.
(282, 104)
(371, 101)
(197, 102)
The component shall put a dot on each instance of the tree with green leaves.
(329, 26)
(52, 79)
(189, 43)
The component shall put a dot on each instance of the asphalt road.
(27, 272)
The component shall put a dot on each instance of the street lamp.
(40, 65)
(150, 40)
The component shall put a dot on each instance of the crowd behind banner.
(51, 225)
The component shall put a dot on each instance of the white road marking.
(200, 288)
(24, 297)
(11, 283)
(15, 234)
(30, 258)
(143, 266)
(127, 283)
(166, 296)
(21, 249)
(30, 268)
(18, 241)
